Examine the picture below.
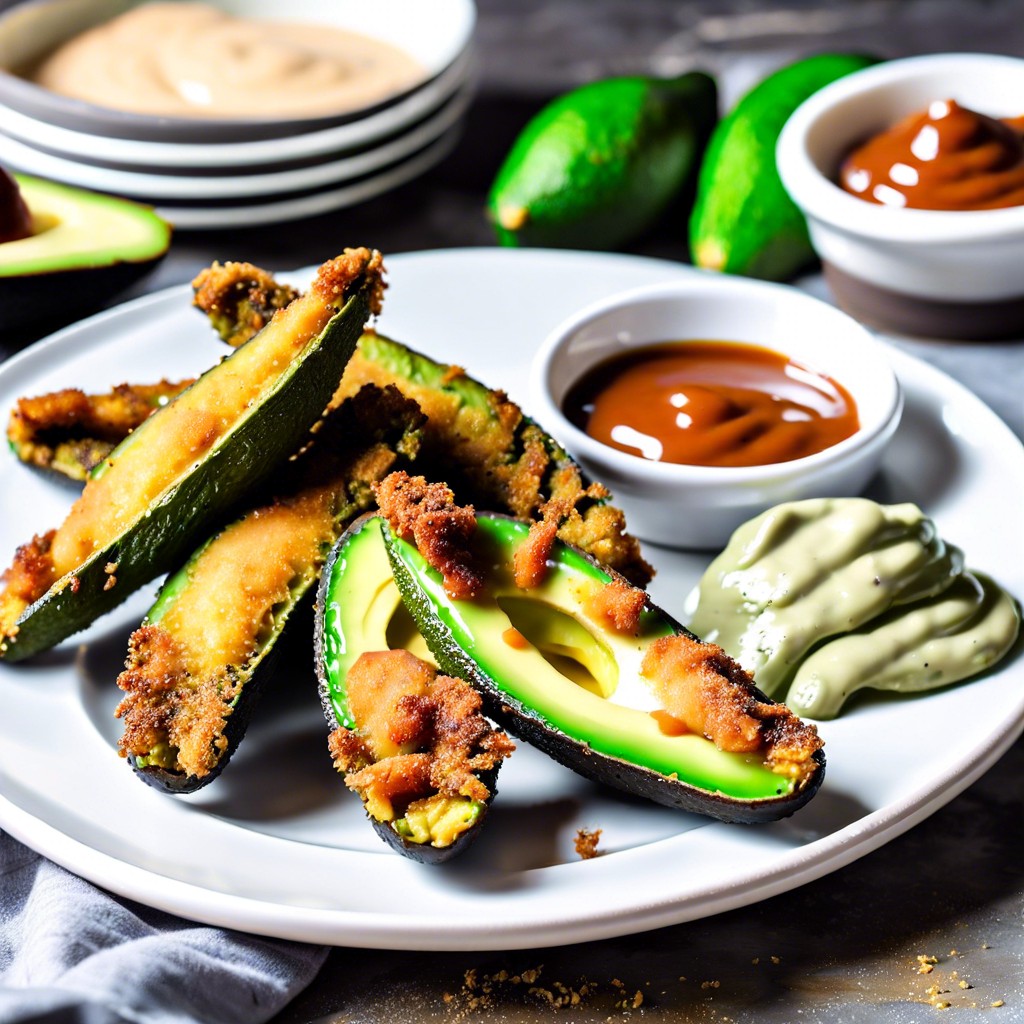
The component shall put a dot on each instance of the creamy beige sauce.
(191, 60)
(876, 582)
(939, 640)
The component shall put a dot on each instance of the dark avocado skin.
(424, 853)
(523, 722)
(46, 301)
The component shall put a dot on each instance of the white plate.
(277, 846)
(155, 188)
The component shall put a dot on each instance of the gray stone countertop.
(848, 947)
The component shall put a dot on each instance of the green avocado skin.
(160, 539)
(437, 625)
(743, 221)
(598, 166)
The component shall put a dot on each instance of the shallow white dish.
(276, 845)
(348, 137)
(153, 188)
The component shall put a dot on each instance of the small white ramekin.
(927, 272)
(700, 506)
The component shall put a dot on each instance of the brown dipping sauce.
(711, 403)
(946, 158)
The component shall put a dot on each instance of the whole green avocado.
(743, 221)
(597, 166)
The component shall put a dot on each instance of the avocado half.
(556, 678)
(84, 248)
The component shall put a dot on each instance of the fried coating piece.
(169, 713)
(239, 299)
(530, 561)
(71, 432)
(420, 734)
(427, 515)
(699, 684)
(618, 604)
(30, 574)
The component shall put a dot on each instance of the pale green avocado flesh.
(76, 229)
(601, 702)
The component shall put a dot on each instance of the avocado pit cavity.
(15, 219)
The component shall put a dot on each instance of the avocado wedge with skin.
(175, 477)
(204, 653)
(594, 716)
(360, 610)
(82, 249)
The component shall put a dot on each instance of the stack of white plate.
(205, 173)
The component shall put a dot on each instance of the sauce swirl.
(191, 60)
(944, 158)
(711, 403)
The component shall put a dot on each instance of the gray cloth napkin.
(74, 954)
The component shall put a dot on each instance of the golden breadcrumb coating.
(703, 687)
(419, 733)
(427, 515)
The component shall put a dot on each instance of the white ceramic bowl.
(927, 272)
(700, 506)
(436, 34)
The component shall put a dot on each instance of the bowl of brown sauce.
(911, 176)
(702, 402)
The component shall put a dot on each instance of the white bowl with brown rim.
(939, 273)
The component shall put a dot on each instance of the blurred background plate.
(434, 34)
(350, 137)
(217, 215)
(226, 183)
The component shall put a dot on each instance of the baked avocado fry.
(239, 299)
(578, 662)
(70, 432)
(196, 665)
(413, 744)
(173, 477)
